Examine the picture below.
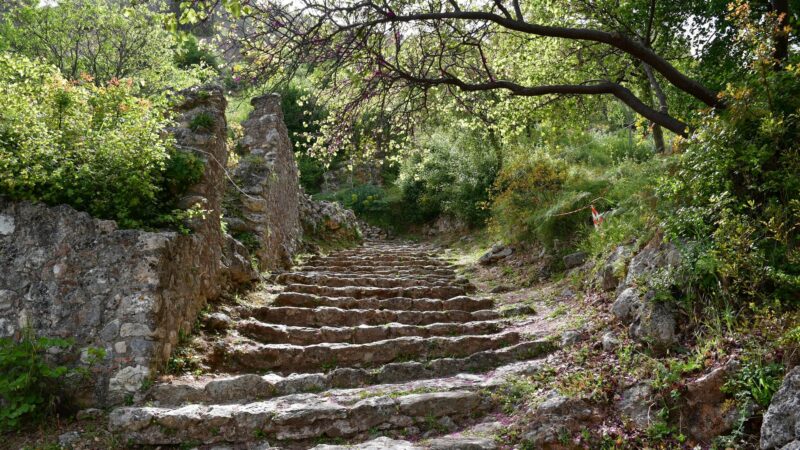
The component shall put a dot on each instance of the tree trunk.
(658, 134)
(781, 37)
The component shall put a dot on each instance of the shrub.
(450, 172)
(528, 188)
(98, 149)
(28, 383)
(735, 191)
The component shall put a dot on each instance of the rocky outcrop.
(705, 408)
(608, 274)
(781, 426)
(127, 292)
(263, 211)
(651, 321)
(555, 416)
(327, 225)
(495, 254)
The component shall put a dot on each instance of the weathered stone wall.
(263, 209)
(129, 292)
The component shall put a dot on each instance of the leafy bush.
(99, 149)
(449, 173)
(27, 382)
(549, 181)
(735, 191)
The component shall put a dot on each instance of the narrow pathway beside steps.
(382, 341)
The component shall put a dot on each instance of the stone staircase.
(381, 340)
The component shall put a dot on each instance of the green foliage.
(201, 122)
(99, 149)
(757, 381)
(302, 114)
(101, 41)
(194, 54)
(28, 383)
(366, 200)
(450, 173)
(735, 191)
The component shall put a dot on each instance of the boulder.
(607, 279)
(654, 256)
(626, 306)
(609, 341)
(575, 259)
(655, 325)
(651, 321)
(557, 414)
(327, 223)
(637, 404)
(495, 254)
(218, 321)
(706, 410)
(781, 426)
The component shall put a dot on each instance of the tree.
(94, 37)
(374, 51)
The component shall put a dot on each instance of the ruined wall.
(263, 209)
(129, 292)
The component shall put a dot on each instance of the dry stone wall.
(128, 292)
(263, 208)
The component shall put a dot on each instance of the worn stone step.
(252, 387)
(380, 257)
(343, 281)
(461, 303)
(436, 292)
(363, 269)
(297, 417)
(387, 263)
(377, 249)
(455, 442)
(295, 358)
(357, 277)
(283, 334)
(327, 316)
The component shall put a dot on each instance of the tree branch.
(602, 87)
(617, 40)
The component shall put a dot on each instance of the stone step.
(384, 263)
(456, 442)
(336, 317)
(403, 250)
(435, 292)
(252, 387)
(357, 277)
(294, 358)
(366, 281)
(461, 303)
(379, 258)
(290, 418)
(362, 269)
(283, 334)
